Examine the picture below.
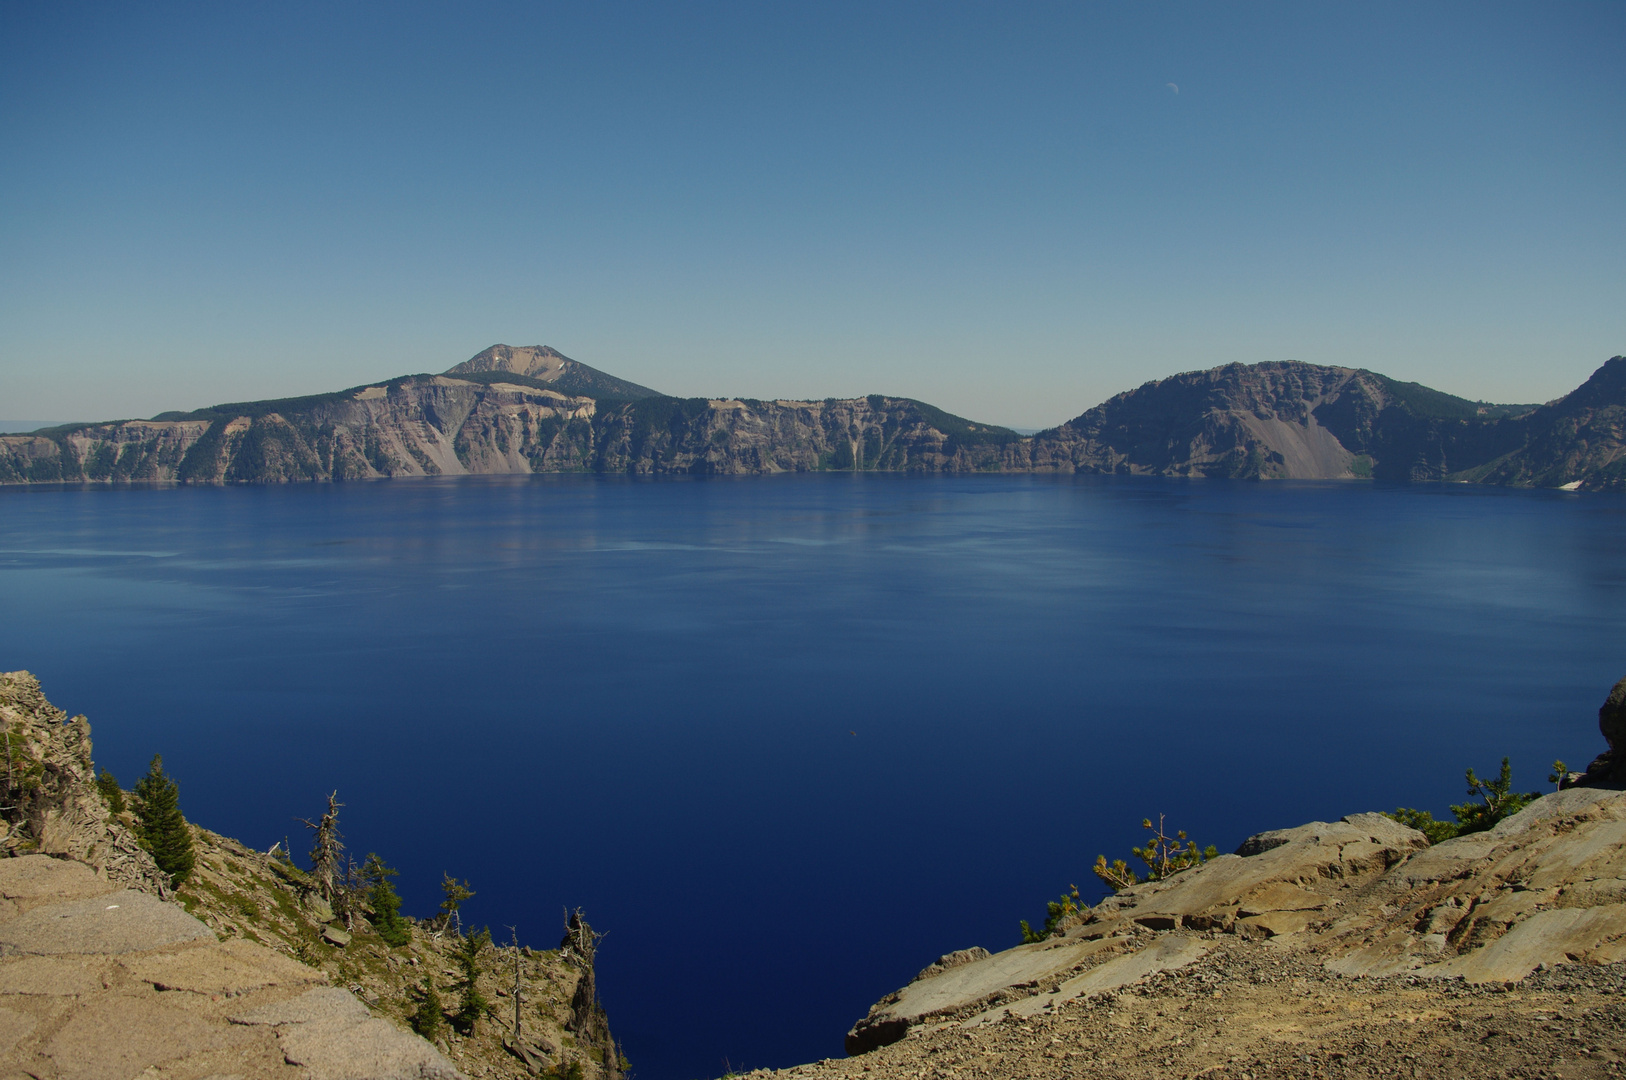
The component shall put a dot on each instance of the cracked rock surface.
(101, 983)
(1347, 948)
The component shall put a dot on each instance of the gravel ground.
(1249, 1012)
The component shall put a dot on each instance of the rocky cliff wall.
(1264, 421)
(440, 425)
(49, 804)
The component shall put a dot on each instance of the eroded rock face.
(1289, 870)
(531, 409)
(49, 797)
(1545, 886)
(1362, 896)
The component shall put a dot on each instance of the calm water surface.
(787, 739)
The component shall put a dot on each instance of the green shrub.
(1164, 856)
(1497, 800)
(112, 794)
(1425, 823)
(1055, 912)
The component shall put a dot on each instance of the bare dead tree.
(587, 1018)
(513, 936)
(580, 937)
(327, 849)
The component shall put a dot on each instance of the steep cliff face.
(1284, 420)
(696, 435)
(1241, 421)
(520, 410)
(1579, 439)
(49, 804)
(437, 424)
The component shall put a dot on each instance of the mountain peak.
(545, 364)
(542, 362)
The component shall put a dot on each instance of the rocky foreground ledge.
(98, 983)
(109, 973)
(1347, 948)
(103, 976)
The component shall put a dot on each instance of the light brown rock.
(52, 976)
(49, 803)
(32, 880)
(14, 1027)
(1168, 953)
(1274, 924)
(122, 922)
(1547, 937)
(1283, 871)
(332, 1035)
(230, 967)
(967, 984)
(117, 1036)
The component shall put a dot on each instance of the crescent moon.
(1173, 87)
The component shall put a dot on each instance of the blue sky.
(1008, 211)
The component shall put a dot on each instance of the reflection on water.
(807, 733)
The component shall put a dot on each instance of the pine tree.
(112, 794)
(385, 901)
(163, 830)
(474, 1004)
(456, 892)
(428, 1018)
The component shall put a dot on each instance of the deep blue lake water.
(787, 739)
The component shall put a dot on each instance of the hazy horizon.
(1011, 214)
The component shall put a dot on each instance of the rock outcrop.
(532, 409)
(1287, 881)
(105, 984)
(103, 975)
(447, 426)
(49, 804)
(1363, 897)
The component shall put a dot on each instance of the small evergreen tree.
(112, 794)
(1056, 911)
(1164, 856)
(473, 1004)
(1497, 801)
(385, 901)
(456, 893)
(1560, 773)
(429, 1016)
(163, 829)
